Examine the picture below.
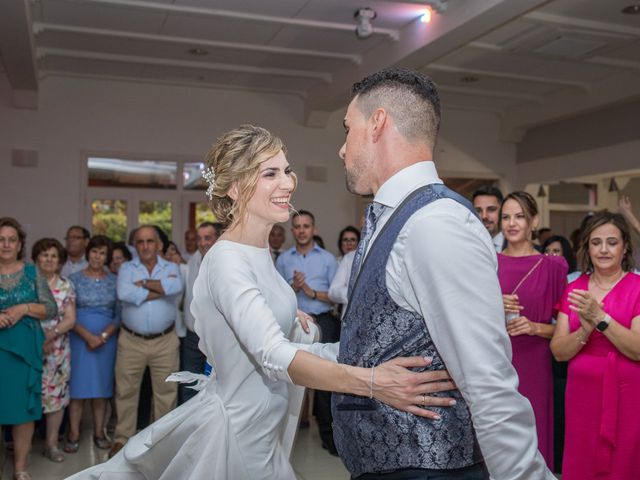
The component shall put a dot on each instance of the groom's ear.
(379, 120)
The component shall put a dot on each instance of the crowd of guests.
(85, 320)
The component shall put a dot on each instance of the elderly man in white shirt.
(147, 287)
(439, 269)
(191, 358)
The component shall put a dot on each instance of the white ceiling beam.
(254, 17)
(506, 75)
(566, 104)
(40, 28)
(564, 21)
(615, 62)
(18, 54)
(486, 46)
(43, 52)
(45, 73)
(479, 92)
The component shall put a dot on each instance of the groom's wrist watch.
(604, 323)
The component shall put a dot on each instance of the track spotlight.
(363, 16)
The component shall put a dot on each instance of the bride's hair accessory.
(210, 178)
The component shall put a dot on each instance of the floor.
(309, 460)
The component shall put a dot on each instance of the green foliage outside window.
(204, 214)
(109, 218)
(156, 213)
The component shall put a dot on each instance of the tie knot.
(373, 211)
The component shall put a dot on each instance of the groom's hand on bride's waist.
(395, 384)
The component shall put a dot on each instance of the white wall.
(76, 116)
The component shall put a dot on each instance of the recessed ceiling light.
(198, 51)
(469, 79)
(632, 9)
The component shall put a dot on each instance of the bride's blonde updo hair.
(235, 159)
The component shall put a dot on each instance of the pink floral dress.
(56, 370)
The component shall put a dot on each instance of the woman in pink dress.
(598, 332)
(532, 284)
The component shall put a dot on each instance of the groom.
(424, 283)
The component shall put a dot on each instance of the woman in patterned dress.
(49, 256)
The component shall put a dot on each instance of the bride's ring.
(424, 399)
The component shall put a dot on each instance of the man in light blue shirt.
(147, 287)
(309, 270)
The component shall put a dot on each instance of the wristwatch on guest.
(604, 323)
(104, 336)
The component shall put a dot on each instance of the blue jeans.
(474, 472)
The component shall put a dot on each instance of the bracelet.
(104, 336)
(581, 339)
(28, 308)
(371, 384)
(315, 294)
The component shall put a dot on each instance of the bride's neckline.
(244, 245)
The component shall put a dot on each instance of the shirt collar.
(161, 262)
(398, 186)
(294, 251)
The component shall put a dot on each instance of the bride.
(235, 428)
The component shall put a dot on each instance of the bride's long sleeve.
(233, 285)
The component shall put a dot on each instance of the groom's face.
(355, 152)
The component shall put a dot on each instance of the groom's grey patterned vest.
(369, 435)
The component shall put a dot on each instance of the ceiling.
(529, 61)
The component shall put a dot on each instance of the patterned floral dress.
(56, 369)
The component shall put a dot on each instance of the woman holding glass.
(531, 284)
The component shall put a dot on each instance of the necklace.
(612, 285)
(97, 276)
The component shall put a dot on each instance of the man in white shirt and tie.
(424, 283)
(191, 358)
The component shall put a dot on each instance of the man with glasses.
(76, 243)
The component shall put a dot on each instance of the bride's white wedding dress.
(241, 424)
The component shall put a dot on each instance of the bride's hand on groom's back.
(404, 389)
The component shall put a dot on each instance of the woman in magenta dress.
(598, 332)
(532, 284)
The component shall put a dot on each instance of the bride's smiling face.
(270, 201)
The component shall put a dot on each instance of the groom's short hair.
(409, 97)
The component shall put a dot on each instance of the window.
(116, 172)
